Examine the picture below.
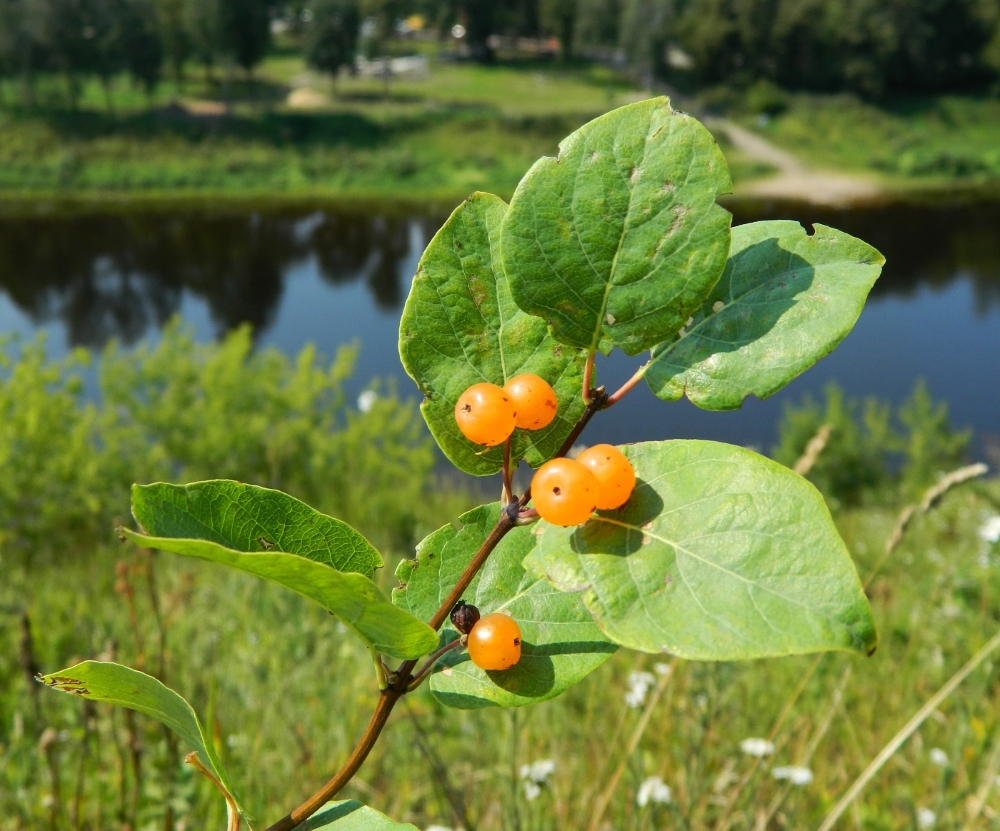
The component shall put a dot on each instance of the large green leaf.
(720, 554)
(351, 815)
(249, 518)
(618, 240)
(460, 327)
(115, 684)
(198, 521)
(560, 643)
(784, 301)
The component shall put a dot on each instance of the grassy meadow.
(431, 139)
(286, 691)
(928, 142)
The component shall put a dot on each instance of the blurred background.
(210, 213)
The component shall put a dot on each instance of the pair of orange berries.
(487, 414)
(493, 641)
(567, 491)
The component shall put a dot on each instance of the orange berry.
(485, 414)
(564, 492)
(534, 400)
(613, 472)
(495, 642)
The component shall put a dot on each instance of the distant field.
(462, 127)
(915, 142)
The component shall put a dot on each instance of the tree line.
(870, 47)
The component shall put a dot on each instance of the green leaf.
(115, 684)
(618, 240)
(560, 643)
(200, 526)
(351, 815)
(719, 555)
(784, 301)
(249, 518)
(460, 327)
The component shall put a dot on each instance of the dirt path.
(794, 180)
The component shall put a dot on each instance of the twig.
(232, 811)
(911, 726)
(397, 689)
(633, 743)
(640, 373)
(931, 498)
(813, 449)
(418, 677)
(956, 477)
(508, 488)
(588, 378)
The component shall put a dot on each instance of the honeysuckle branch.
(588, 377)
(398, 683)
(617, 396)
(508, 488)
(417, 678)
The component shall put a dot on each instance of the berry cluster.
(493, 641)
(567, 491)
(564, 491)
(487, 414)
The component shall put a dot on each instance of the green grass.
(460, 129)
(238, 647)
(286, 691)
(929, 141)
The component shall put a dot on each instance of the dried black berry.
(464, 616)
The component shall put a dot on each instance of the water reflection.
(116, 276)
(924, 246)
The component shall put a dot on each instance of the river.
(334, 275)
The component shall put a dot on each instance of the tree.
(22, 50)
(559, 17)
(331, 37)
(176, 37)
(245, 27)
(202, 22)
(142, 42)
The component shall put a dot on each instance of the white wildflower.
(437, 828)
(653, 789)
(538, 772)
(757, 747)
(638, 686)
(367, 400)
(926, 817)
(531, 790)
(939, 757)
(662, 669)
(795, 775)
(989, 531)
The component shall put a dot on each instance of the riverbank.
(430, 137)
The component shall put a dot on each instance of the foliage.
(864, 46)
(185, 411)
(945, 138)
(614, 243)
(873, 454)
(235, 646)
(245, 27)
(331, 36)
